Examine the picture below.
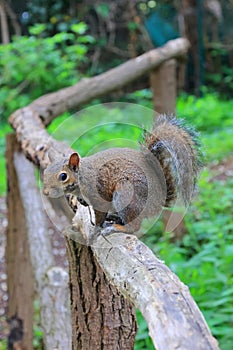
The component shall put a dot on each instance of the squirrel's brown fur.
(130, 184)
(177, 149)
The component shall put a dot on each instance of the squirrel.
(130, 185)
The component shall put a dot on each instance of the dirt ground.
(221, 171)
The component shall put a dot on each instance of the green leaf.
(37, 29)
(79, 28)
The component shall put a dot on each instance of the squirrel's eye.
(62, 177)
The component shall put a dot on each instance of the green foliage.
(3, 344)
(143, 341)
(54, 14)
(32, 66)
(208, 113)
(213, 118)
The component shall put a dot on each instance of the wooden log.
(20, 281)
(54, 104)
(51, 281)
(174, 320)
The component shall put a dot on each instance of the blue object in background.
(160, 31)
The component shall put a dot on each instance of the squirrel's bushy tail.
(177, 149)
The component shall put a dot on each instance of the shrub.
(33, 66)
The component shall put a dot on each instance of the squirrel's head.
(61, 176)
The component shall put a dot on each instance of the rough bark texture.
(18, 264)
(101, 317)
(34, 139)
(51, 281)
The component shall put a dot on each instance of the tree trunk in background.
(102, 319)
(4, 24)
(18, 265)
(190, 18)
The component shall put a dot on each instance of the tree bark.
(18, 264)
(101, 317)
(13, 18)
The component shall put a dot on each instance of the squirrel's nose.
(45, 192)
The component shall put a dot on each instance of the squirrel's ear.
(74, 161)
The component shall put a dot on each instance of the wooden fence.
(100, 317)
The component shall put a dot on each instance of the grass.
(203, 259)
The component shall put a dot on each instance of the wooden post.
(18, 266)
(51, 281)
(29, 256)
(163, 85)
